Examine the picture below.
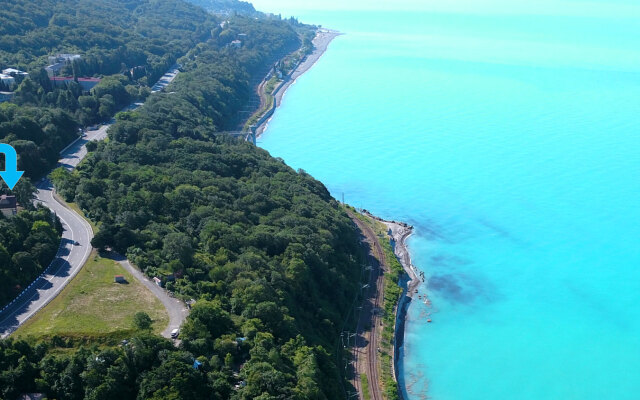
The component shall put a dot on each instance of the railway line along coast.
(391, 283)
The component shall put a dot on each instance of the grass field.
(364, 382)
(93, 306)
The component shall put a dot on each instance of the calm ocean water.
(511, 140)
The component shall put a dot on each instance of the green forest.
(28, 243)
(111, 35)
(114, 37)
(270, 257)
(226, 7)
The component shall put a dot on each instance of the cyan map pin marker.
(11, 175)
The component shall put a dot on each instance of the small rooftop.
(31, 396)
(70, 78)
(8, 201)
(9, 71)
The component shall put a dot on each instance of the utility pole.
(352, 335)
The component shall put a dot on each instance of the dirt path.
(176, 309)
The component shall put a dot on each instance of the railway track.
(370, 314)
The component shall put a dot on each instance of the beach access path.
(75, 246)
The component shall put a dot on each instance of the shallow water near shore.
(511, 141)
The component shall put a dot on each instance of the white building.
(54, 69)
(8, 205)
(7, 79)
(59, 61)
(16, 73)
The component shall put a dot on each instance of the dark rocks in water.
(450, 288)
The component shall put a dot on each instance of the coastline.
(399, 233)
(320, 43)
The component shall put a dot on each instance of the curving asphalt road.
(68, 261)
(75, 246)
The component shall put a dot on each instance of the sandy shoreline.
(320, 42)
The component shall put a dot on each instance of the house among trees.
(31, 396)
(60, 61)
(236, 43)
(7, 80)
(138, 72)
(6, 96)
(15, 73)
(86, 83)
(8, 205)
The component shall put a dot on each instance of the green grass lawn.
(364, 382)
(93, 306)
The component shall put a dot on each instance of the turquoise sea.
(508, 134)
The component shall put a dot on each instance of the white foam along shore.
(320, 44)
(400, 232)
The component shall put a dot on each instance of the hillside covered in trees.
(111, 35)
(226, 7)
(269, 256)
(28, 243)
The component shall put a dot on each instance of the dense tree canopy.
(28, 243)
(266, 251)
(269, 256)
(226, 7)
(129, 43)
(37, 134)
(111, 35)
